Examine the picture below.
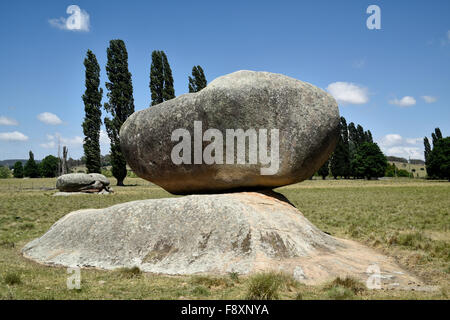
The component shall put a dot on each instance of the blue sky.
(394, 81)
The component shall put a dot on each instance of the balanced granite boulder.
(82, 182)
(245, 130)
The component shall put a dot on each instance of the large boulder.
(306, 117)
(82, 182)
(239, 232)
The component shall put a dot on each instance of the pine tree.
(156, 78)
(439, 159)
(18, 170)
(198, 80)
(324, 170)
(437, 156)
(360, 135)
(427, 148)
(353, 135)
(31, 169)
(169, 91)
(436, 135)
(340, 161)
(92, 99)
(161, 80)
(120, 105)
(369, 136)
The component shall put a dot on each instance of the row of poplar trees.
(356, 155)
(120, 103)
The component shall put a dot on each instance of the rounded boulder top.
(245, 130)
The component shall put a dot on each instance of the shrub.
(234, 276)
(349, 283)
(340, 293)
(5, 173)
(130, 273)
(402, 173)
(12, 278)
(107, 173)
(264, 286)
(200, 291)
(211, 281)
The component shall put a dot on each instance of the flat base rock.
(62, 193)
(242, 232)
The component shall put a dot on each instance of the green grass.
(407, 219)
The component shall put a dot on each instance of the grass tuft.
(350, 283)
(12, 278)
(129, 273)
(264, 286)
(340, 293)
(200, 291)
(210, 281)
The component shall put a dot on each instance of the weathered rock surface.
(82, 182)
(214, 234)
(307, 119)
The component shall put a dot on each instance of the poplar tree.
(198, 80)
(161, 80)
(340, 162)
(324, 170)
(120, 104)
(427, 147)
(92, 99)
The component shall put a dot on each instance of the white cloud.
(52, 141)
(405, 152)
(406, 101)
(78, 20)
(429, 99)
(348, 93)
(391, 140)
(49, 118)
(395, 145)
(13, 136)
(104, 139)
(414, 140)
(5, 121)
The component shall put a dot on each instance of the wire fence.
(24, 185)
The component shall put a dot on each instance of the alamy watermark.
(374, 20)
(235, 153)
(374, 280)
(74, 280)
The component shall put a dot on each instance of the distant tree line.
(355, 155)
(47, 168)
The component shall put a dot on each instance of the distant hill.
(396, 159)
(10, 162)
(417, 161)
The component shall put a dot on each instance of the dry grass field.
(407, 219)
